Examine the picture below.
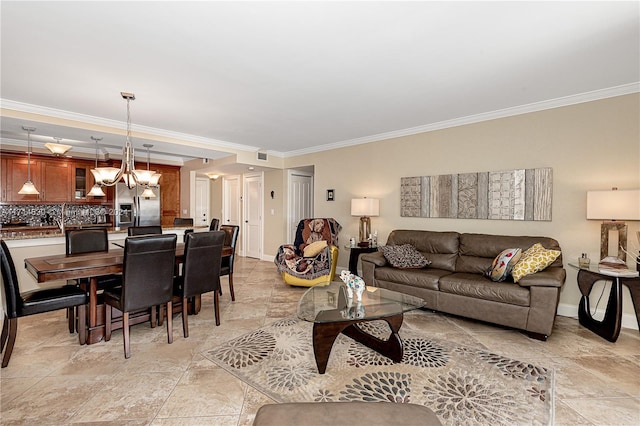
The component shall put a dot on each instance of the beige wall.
(594, 145)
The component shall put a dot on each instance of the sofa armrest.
(377, 258)
(550, 277)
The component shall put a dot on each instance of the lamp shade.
(614, 205)
(57, 148)
(365, 207)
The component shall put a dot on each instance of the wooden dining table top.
(86, 265)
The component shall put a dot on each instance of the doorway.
(202, 202)
(252, 213)
(300, 199)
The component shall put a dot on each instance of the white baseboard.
(567, 310)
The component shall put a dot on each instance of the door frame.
(245, 214)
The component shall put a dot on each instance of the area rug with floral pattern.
(462, 385)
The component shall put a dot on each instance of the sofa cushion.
(472, 285)
(477, 251)
(534, 259)
(404, 256)
(422, 278)
(503, 264)
(441, 248)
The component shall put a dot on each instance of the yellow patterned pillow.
(534, 259)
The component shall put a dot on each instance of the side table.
(609, 327)
(355, 254)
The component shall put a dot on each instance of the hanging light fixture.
(154, 179)
(109, 176)
(57, 148)
(28, 188)
(96, 189)
(148, 192)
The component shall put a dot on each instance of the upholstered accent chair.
(313, 257)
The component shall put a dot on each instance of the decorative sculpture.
(353, 283)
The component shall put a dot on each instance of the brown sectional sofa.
(454, 282)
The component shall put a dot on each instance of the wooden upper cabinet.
(56, 181)
(17, 172)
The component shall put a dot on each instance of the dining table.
(90, 266)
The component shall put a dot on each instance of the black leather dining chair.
(33, 302)
(147, 281)
(230, 239)
(200, 272)
(88, 240)
(183, 221)
(214, 225)
(133, 231)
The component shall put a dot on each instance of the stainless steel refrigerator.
(134, 210)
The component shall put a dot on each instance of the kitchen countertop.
(34, 232)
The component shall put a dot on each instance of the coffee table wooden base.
(325, 334)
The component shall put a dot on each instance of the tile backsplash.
(47, 215)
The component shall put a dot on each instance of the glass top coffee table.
(332, 313)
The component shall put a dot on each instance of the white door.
(300, 200)
(230, 200)
(252, 213)
(202, 202)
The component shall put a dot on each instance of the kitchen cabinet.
(169, 193)
(51, 179)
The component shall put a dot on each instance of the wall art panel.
(523, 194)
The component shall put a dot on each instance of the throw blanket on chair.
(290, 257)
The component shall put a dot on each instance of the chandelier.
(57, 148)
(109, 176)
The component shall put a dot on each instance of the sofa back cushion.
(477, 251)
(441, 248)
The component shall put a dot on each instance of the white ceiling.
(295, 77)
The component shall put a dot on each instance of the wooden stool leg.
(13, 331)
(107, 322)
(170, 321)
(125, 332)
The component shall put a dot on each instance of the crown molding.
(99, 121)
(471, 119)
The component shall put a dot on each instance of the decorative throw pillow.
(404, 256)
(534, 259)
(503, 264)
(313, 249)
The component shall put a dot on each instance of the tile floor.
(53, 380)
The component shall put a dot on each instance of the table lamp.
(613, 207)
(365, 208)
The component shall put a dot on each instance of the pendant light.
(109, 176)
(28, 188)
(148, 192)
(96, 189)
(57, 148)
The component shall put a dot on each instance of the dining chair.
(214, 225)
(183, 221)
(200, 272)
(33, 302)
(133, 231)
(230, 239)
(147, 281)
(88, 240)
